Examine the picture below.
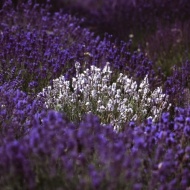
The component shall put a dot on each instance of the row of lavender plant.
(33, 41)
(137, 17)
(123, 17)
(43, 149)
(47, 46)
(58, 154)
(159, 28)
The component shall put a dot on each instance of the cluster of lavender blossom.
(62, 94)
(58, 154)
(115, 102)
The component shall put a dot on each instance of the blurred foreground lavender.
(17, 111)
(59, 154)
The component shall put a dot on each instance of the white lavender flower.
(115, 102)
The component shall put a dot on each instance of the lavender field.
(95, 95)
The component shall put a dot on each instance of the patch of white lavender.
(115, 102)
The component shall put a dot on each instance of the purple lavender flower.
(60, 154)
(49, 45)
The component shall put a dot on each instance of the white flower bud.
(77, 65)
(93, 93)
